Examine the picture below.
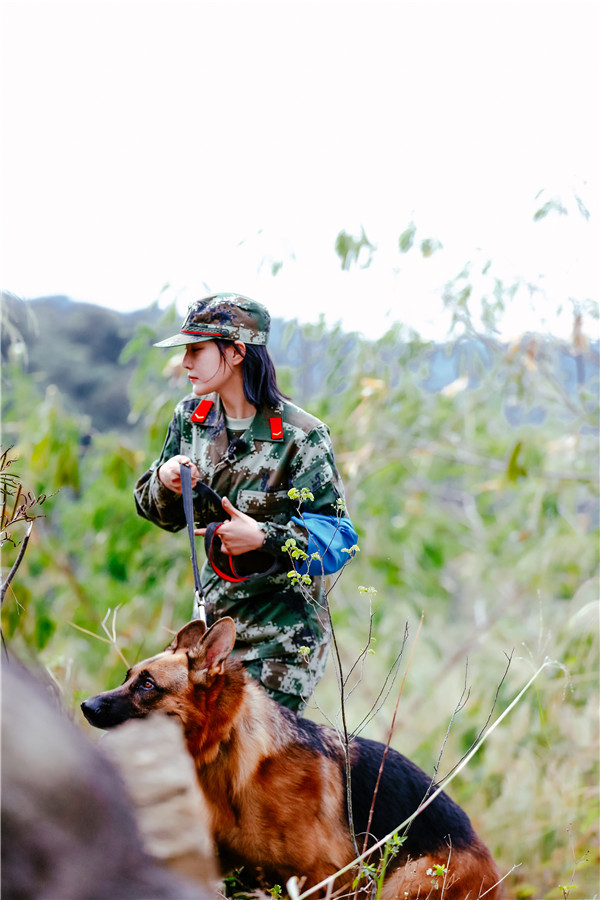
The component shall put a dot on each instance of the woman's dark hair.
(260, 379)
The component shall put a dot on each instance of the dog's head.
(170, 681)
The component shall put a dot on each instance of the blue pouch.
(329, 536)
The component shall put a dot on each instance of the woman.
(250, 445)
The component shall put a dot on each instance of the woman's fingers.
(170, 475)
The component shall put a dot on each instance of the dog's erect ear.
(188, 637)
(209, 656)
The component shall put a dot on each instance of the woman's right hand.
(169, 475)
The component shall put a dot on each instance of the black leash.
(217, 559)
(188, 508)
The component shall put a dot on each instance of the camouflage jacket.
(273, 618)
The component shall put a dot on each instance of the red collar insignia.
(201, 411)
(276, 429)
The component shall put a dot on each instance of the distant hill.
(77, 347)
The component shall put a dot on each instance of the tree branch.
(16, 563)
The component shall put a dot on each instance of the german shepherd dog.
(276, 786)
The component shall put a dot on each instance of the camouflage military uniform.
(272, 616)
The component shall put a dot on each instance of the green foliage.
(406, 239)
(350, 249)
(476, 503)
(88, 554)
(553, 205)
(428, 245)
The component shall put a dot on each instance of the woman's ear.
(239, 352)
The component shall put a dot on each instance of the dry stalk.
(111, 635)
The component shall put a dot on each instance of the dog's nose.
(90, 709)
(104, 710)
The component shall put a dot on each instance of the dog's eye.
(147, 684)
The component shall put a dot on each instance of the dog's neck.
(237, 727)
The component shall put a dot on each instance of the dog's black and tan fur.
(275, 783)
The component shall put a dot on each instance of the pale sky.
(193, 143)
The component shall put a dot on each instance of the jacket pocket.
(264, 505)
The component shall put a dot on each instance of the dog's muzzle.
(104, 712)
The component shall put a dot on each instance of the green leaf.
(44, 629)
(515, 470)
(406, 239)
(429, 247)
(554, 205)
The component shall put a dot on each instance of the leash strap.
(188, 508)
(209, 537)
(233, 576)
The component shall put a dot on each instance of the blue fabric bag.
(328, 536)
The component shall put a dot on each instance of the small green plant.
(375, 873)
(367, 870)
(566, 889)
(300, 494)
(236, 886)
(295, 553)
(296, 578)
(437, 872)
(390, 849)
(395, 843)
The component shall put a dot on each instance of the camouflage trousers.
(288, 682)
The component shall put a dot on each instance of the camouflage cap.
(232, 317)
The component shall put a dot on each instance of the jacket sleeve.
(153, 500)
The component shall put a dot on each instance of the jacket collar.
(261, 426)
(214, 423)
(260, 429)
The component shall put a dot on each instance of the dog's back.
(403, 787)
(440, 836)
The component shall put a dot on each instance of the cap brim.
(180, 340)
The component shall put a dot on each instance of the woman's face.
(206, 368)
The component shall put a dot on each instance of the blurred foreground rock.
(69, 831)
(159, 773)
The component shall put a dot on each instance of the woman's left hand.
(240, 534)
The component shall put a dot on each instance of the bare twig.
(16, 563)
(345, 735)
(363, 653)
(487, 721)
(111, 635)
(504, 877)
(23, 502)
(390, 734)
(386, 688)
